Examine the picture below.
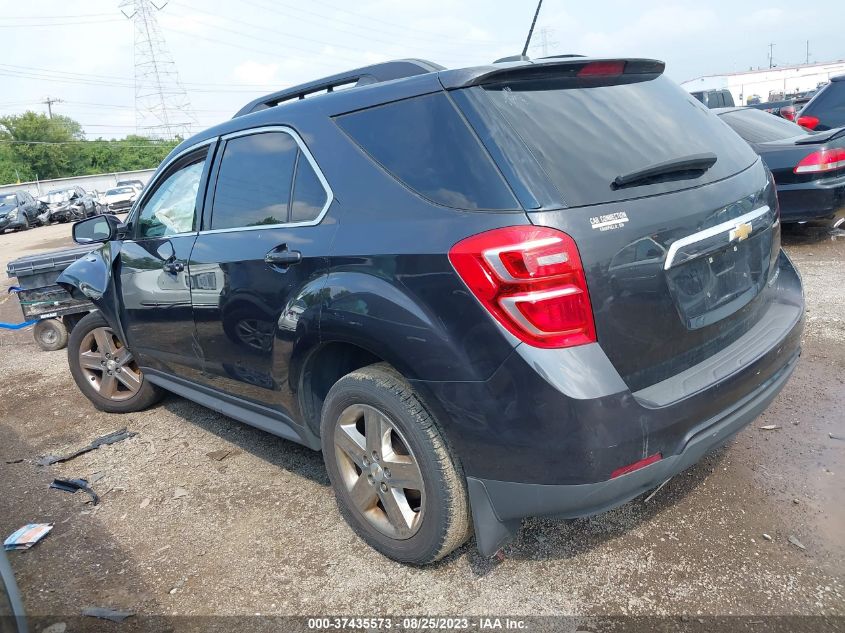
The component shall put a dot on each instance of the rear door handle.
(283, 257)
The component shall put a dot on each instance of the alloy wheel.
(379, 471)
(108, 365)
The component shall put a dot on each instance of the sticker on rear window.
(609, 221)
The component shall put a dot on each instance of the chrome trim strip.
(724, 227)
(305, 152)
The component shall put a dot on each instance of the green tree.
(40, 156)
(34, 146)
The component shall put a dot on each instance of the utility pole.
(771, 49)
(808, 52)
(531, 30)
(49, 101)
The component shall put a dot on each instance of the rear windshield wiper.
(698, 163)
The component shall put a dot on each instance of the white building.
(769, 81)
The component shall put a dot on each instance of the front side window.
(254, 181)
(172, 207)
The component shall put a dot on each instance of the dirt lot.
(258, 532)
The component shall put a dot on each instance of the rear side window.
(265, 179)
(425, 144)
(583, 137)
(253, 184)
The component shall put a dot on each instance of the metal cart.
(44, 304)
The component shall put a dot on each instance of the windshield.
(584, 137)
(9, 199)
(120, 190)
(756, 126)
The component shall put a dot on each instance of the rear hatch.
(673, 214)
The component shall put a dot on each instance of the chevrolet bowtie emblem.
(740, 232)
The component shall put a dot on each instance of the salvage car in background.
(68, 205)
(119, 199)
(18, 211)
(826, 110)
(808, 167)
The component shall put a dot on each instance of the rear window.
(425, 144)
(584, 137)
(756, 126)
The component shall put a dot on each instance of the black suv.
(826, 110)
(485, 294)
(18, 210)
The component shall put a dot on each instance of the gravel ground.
(178, 532)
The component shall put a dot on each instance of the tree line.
(34, 146)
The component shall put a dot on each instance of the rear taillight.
(809, 122)
(821, 161)
(602, 69)
(788, 113)
(531, 280)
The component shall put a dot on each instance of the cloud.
(253, 72)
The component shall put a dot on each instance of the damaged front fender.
(93, 277)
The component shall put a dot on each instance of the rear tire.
(396, 483)
(50, 334)
(105, 370)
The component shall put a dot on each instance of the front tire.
(105, 370)
(396, 483)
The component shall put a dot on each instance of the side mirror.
(99, 229)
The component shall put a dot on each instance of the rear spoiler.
(821, 137)
(550, 68)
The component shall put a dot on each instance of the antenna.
(162, 107)
(531, 30)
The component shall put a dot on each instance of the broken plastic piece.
(107, 614)
(72, 485)
(105, 440)
(27, 536)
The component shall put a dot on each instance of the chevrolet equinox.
(522, 289)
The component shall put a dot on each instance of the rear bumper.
(499, 506)
(545, 433)
(810, 201)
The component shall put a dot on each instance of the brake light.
(809, 122)
(624, 470)
(788, 113)
(531, 280)
(602, 69)
(821, 161)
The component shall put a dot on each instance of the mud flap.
(491, 533)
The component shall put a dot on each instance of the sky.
(229, 52)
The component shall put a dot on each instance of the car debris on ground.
(107, 614)
(27, 536)
(796, 542)
(105, 440)
(73, 485)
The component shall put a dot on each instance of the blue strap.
(14, 289)
(17, 326)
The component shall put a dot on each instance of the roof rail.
(360, 77)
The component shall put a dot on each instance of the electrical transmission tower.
(162, 107)
(546, 41)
